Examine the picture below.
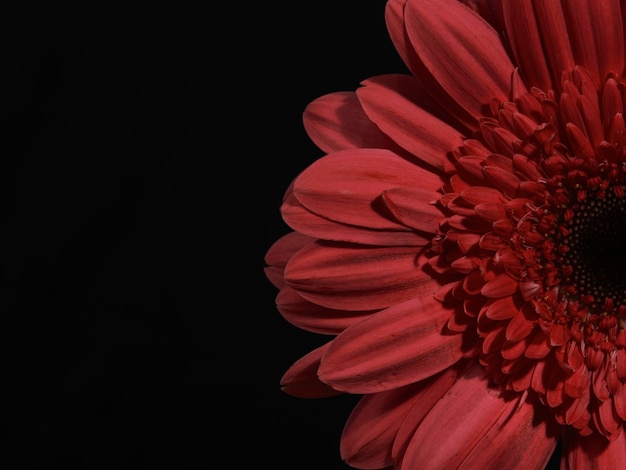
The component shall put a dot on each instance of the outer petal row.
(473, 426)
(403, 344)
(346, 186)
(461, 50)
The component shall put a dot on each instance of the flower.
(460, 241)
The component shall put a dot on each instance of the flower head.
(461, 241)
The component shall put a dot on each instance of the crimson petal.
(301, 380)
(393, 103)
(491, 427)
(344, 185)
(466, 57)
(414, 207)
(598, 42)
(306, 222)
(392, 348)
(523, 33)
(315, 318)
(336, 121)
(369, 432)
(347, 277)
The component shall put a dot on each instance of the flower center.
(537, 241)
(596, 248)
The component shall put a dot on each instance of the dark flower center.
(597, 248)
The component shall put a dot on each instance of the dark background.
(146, 151)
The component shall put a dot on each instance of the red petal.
(518, 441)
(304, 221)
(280, 252)
(393, 103)
(344, 185)
(357, 278)
(395, 21)
(395, 347)
(520, 326)
(431, 391)
(555, 40)
(591, 115)
(612, 103)
(525, 40)
(480, 194)
(301, 380)
(284, 248)
(478, 428)
(414, 207)
(504, 180)
(539, 347)
(336, 121)
(491, 211)
(370, 430)
(501, 309)
(473, 165)
(619, 401)
(620, 359)
(315, 318)
(502, 285)
(461, 50)
(609, 423)
(598, 39)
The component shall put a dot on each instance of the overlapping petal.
(313, 317)
(496, 432)
(304, 221)
(397, 106)
(403, 344)
(345, 186)
(373, 435)
(352, 277)
(301, 379)
(336, 121)
(466, 57)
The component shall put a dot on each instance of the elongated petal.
(306, 222)
(336, 121)
(393, 102)
(525, 40)
(344, 186)
(441, 441)
(301, 380)
(431, 390)
(597, 36)
(315, 318)
(357, 278)
(403, 344)
(414, 207)
(502, 285)
(284, 248)
(394, 20)
(556, 41)
(466, 57)
(370, 430)
(280, 252)
(517, 441)
(429, 87)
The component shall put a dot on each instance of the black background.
(147, 148)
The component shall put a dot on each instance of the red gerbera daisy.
(460, 241)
